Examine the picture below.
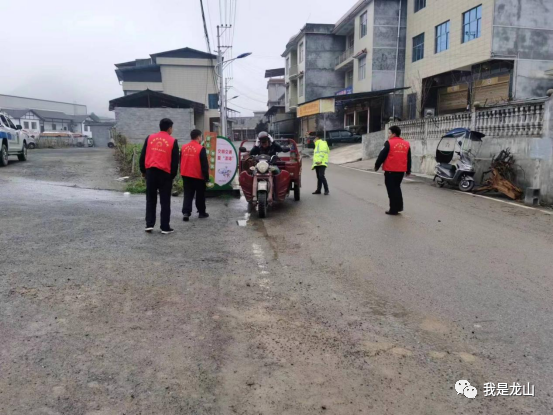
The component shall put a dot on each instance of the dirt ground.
(92, 168)
(307, 312)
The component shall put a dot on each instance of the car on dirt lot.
(13, 141)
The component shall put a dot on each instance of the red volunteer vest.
(159, 151)
(397, 157)
(190, 165)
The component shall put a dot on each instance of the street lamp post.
(220, 74)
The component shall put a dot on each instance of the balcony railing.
(292, 70)
(348, 53)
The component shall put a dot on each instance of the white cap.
(263, 134)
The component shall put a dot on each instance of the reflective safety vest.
(320, 155)
(397, 156)
(190, 165)
(159, 151)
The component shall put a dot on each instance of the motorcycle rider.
(266, 146)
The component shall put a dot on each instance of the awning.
(153, 99)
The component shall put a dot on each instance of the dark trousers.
(158, 180)
(193, 187)
(321, 179)
(393, 185)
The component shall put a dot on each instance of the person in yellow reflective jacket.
(320, 163)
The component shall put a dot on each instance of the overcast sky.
(66, 49)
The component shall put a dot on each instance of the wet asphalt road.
(327, 306)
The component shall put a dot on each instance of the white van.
(13, 141)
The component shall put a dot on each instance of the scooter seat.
(448, 166)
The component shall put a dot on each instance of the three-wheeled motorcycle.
(268, 179)
(466, 144)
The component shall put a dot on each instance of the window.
(11, 124)
(349, 79)
(472, 24)
(26, 124)
(301, 87)
(4, 121)
(86, 128)
(418, 47)
(300, 55)
(33, 125)
(442, 37)
(287, 64)
(419, 4)
(362, 68)
(362, 25)
(53, 127)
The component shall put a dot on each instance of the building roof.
(269, 73)
(141, 73)
(56, 115)
(275, 81)
(153, 99)
(15, 113)
(187, 53)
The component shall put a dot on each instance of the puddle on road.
(243, 222)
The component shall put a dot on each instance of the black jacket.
(272, 150)
(384, 154)
(205, 164)
(174, 158)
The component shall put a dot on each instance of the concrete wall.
(137, 123)
(372, 144)
(522, 29)
(142, 86)
(320, 77)
(542, 150)
(189, 82)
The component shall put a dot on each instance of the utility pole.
(222, 98)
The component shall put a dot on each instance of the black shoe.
(185, 217)
(327, 193)
(316, 193)
(149, 229)
(204, 215)
(389, 212)
(168, 231)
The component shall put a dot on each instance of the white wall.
(8, 101)
(366, 42)
(189, 82)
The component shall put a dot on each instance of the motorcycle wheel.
(296, 192)
(466, 185)
(440, 182)
(262, 205)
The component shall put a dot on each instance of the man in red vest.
(194, 169)
(159, 163)
(396, 157)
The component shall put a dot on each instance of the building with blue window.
(465, 52)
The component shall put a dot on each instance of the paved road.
(327, 306)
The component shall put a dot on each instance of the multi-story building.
(352, 60)
(243, 128)
(183, 73)
(276, 91)
(310, 58)
(483, 52)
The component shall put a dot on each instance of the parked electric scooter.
(462, 173)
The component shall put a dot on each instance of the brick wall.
(137, 123)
